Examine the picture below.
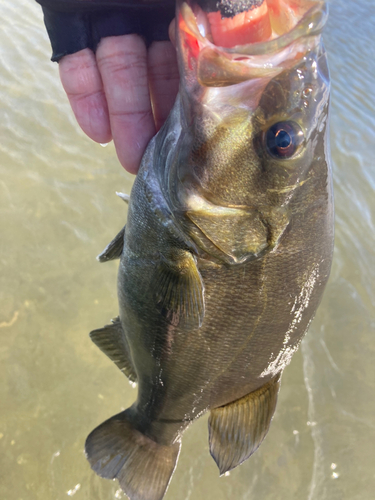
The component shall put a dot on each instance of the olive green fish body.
(255, 313)
(224, 258)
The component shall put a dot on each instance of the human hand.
(111, 92)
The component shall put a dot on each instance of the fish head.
(254, 122)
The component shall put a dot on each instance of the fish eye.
(283, 138)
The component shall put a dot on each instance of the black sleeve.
(73, 25)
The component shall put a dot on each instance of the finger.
(122, 62)
(81, 80)
(172, 32)
(163, 79)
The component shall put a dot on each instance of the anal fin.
(236, 430)
(179, 290)
(111, 340)
(114, 249)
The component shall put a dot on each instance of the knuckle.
(79, 73)
(122, 55)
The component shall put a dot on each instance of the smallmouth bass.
(227, 246)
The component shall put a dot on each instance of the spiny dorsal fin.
(114, 249)
(123, 196)
(179, 290)
(236, 430)
(111, 340)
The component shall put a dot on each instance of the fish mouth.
(269, 37)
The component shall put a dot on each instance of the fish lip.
(311, 24)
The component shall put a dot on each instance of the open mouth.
(233, 23)
(228, 23)
(234, 40)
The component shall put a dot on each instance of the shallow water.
(58, 211)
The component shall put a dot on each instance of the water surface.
(58, 210)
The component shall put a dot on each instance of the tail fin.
(143, 467)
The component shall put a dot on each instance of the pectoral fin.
(179, 290)
(236, 430)
(111, 340)
(114, 249)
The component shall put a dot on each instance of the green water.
(58, 210)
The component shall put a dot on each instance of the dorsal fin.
(114, 249)
(123, 196)
(111, 340)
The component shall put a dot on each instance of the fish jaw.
(207, 69)
(211, 75)
(225, 110)
(296, 25)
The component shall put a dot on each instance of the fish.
(227, 246)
